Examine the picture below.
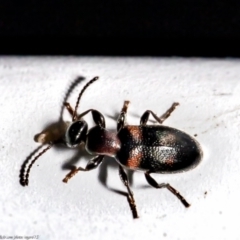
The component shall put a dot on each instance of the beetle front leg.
(92, 164)
(98, 118)
(123, 177)
(69, 108)
(161, 119)
(153, 183)
(121, 121)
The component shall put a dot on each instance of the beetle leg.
(98, 118)
(69, 108)
(123, 177)
(160, 119)
(153, 183)
(92, 164)
(121, 121)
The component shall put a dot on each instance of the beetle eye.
(76, 133)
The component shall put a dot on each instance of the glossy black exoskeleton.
(147, 148)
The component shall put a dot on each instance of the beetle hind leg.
(160, 119)
(153, 183)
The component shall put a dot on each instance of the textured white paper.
(32, 92)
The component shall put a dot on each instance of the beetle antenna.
(33, 161)
(80, 95)
(24, 165)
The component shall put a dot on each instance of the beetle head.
(76, 133)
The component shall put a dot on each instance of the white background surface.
(32, 91)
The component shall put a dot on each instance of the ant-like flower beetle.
(147, 148)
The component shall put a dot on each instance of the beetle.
(148, 148)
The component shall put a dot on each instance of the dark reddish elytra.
(147, 148)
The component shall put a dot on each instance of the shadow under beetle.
(147, 148)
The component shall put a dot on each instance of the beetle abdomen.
(158, 149)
